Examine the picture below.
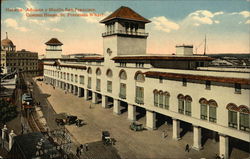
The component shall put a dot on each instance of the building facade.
(169, 89)
(22, 60)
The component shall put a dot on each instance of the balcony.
(122, 96)
(139, 100)
(127, 33)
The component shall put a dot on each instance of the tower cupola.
(53, 48)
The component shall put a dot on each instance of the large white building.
(172, 88)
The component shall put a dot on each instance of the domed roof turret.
(7, 41)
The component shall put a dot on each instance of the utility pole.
(205, 46)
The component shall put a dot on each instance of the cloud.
(12, 23)
(248, 21)
(55, 29)
(245, 14)
(203, 17)
(163, 24)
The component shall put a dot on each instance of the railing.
(139, 100)
(122, 96)
(125, 33)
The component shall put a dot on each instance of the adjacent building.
(168, 88)
(22, 60)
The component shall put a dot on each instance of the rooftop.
(125, 13)
(54, 42)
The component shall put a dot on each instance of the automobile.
(26, 98)
(106, 138)
(136, 126)
(80, 122)
(65, 119)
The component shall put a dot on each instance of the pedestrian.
(187, 148)
(222, 156)
(81, 148)
(217, 156)
(89, 106)
(86, 147)
(78, 151)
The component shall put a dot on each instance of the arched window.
(156, 97)
(244, 118)
(89, 70)
(203, 104)
(139, 77)
(181, 99)
(160, 99)
(232, 115)
(166, 96)
(212, 110)
(109, 73)
(188, 108)
(123, 75)
(98, 72)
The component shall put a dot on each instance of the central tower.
(124, 33)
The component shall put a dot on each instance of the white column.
(11, 139)
(86, 94)
(94, 97)
(197, 138)
(176, 129)
(224, 146)
(150, 120)
(116, 107)
(4, 130)
(104, 101)
(131, 112)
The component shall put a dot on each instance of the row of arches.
(139, 76)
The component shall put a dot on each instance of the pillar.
(116, 107)
(4, 131)
(104, 101)
(94, 97)
(86, 94)
(150, 120)
(176, 129)
(224, 146)
(197, 138)
(131, 112)
(11, 139)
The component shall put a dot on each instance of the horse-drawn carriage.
(66, 119)
(136, 126)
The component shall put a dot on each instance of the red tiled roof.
(54, 41)
(71, 66)
(177, 58)
(91, 58)
(125, 13)
(244, 81)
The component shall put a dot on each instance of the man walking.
(187, 148)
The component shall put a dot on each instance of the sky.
(225, 23)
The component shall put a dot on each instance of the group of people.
(80, 149)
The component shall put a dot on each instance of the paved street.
(130, 144)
